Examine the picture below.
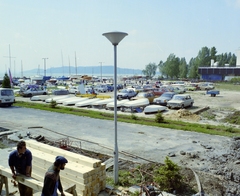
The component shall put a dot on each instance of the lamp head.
(115, 37)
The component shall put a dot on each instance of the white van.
(6, 96)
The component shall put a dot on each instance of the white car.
(206, 86)
(73, 90)
(7, 96)
(126, 94)
(101, 88)
(34, 91)
(180, 101)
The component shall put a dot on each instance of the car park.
(164, 98)
(126, 94)
(180, 101)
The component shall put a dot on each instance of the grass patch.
(171, 124)
(208, 114)
(233, 118)
(2, 145)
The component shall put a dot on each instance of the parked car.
(60, 92)
(178, 90)
(7, 96)
(101, 88)
(73, 90)
(110, 87)
(164, 98)
(191, 87)
(126, 94)
(158, 91)
(34, 91)
(206, 86)
(149, 95)
(119, 86)
(180, 101)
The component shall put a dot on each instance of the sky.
(59, 29)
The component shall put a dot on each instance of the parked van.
(6, 96)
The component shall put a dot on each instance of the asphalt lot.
(151, 143)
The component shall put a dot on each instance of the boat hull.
(154, 108)
(87, 102)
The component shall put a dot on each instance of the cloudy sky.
(58, 29)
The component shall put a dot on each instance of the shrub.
(159, 117)
(168, 176)
(134, 117)
(53, 104)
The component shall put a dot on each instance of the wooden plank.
(28, 181)
(109, 162)
(73, 157)
(38, 173)
(46, 160)
(90, 179)
(68, 179)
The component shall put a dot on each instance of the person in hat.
(20, 162)
(52, 180)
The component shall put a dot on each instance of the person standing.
(20, 162)
(52, 180)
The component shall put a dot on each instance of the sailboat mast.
(21, 69)
(62, 62)
(75, 62)
(69, 66)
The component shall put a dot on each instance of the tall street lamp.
(115, 38)
(44, 65)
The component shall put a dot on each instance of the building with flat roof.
(215, 73)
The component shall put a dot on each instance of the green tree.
(162, 69)
(213, 53)
(183, 68)
(193, 69)
(150, 70)
(172, 66)
(6, 81)
(203, 59)
(233, 61)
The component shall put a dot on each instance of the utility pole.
(44, 65)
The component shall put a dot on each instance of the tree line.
(175, 67)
